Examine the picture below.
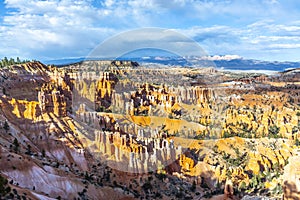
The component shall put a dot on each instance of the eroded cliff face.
(151, 133)
(291, 183)
(261, 116)
(215, 111)
(52, 100)
(41, 156)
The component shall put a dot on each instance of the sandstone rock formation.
(100, 128)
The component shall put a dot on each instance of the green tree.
(6, 126)
(43, 153)
(147, 186)
(193, 187)
(297, 142)
(28, 150)
(4, 187)
(16, 145)
(11, 61)
(5, 61)
(274, 130)
(18, 60)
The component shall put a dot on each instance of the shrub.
(147, 186)
(4, 187)
(193, 187)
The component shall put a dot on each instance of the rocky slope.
(102, 129)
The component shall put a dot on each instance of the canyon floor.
(119, 130)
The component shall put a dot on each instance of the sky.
(56, 29)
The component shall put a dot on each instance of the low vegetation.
(11, 61)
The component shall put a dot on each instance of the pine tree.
(11, 61)
(18, 60)
(4, 187)
(43, 153)
(6, 126)
(16, 145)
(5, 61)
(28, 149)
(297, 142)
(193, 187)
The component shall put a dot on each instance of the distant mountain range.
(220, 62)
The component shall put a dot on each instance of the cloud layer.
(52, 29)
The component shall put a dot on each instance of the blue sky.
(54, 29)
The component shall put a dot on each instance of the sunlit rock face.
(291, 184)
(115, 128)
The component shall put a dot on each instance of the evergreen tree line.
(7, 62)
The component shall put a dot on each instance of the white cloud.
(262, 39)
(41, 29)
(272, 2)
(108, 3)
(66, 28)
(218, 57)
(284, 46)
